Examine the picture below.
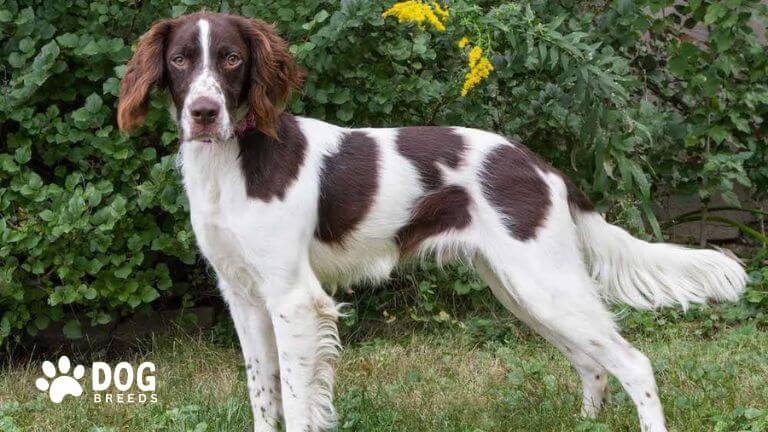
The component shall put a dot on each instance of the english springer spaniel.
(282, 204)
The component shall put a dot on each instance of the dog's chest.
(220, 241)
(216, 219)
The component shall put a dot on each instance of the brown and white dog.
(282, 204)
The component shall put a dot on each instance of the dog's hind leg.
(552, 287)
(594, 377)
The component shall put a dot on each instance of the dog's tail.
(652, 275)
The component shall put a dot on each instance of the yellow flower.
(418, 12)
(439, 10)
(479, 69)
(463, 42)
(474, 56)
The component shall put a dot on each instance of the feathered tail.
(652, 275)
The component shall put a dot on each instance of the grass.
(442, 378)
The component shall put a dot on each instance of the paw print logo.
(60, 384)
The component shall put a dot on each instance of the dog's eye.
(179, 60)
(233, 60)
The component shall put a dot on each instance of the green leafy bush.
(94, 226)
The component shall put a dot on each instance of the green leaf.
(718, 133)
(149, 294)
(345, 114)
(72, 329)
(23, 154)
(7, 164)
(321, 16)
(461, 288)
(68, 40)
(46, 215)
(123, 271)
(93, 103)
(715, 10)
(5, 328)
(42, 321)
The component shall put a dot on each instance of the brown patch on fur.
(274, 73)
(513, 185)
(348, 185)
(271, 165)
(577, 200)
(428, 146)
(437, 212)
(144, 71)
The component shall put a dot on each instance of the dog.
(282, 204)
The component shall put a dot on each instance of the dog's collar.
(246, 125)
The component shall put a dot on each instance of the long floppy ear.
(274, 74)
(145, 70)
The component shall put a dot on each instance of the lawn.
(477, 376)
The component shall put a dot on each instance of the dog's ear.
(145, 70)
(274, 73)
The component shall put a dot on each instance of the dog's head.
(217, 67)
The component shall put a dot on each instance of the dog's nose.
(204, 110)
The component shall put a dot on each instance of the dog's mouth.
(204, 137)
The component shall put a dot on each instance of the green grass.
(440, 379)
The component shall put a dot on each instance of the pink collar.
(247, 124)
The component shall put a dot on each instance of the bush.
(94, 224)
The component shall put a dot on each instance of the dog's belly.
(355, 260)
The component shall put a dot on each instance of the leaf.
(46, 215)
(715, 10)
(72, 329)
(42, 321)
(730, 197)
(90, 293)
(718, 133)
(68, 40)
(321, 16)
(149, 294)
(91, 48)
(651, 217)
(345, 113)
(5, 328)
(93, 103)
(123, 271)
(7, 164)
(23, 154)
(461, 288)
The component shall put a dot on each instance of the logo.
(61, 384)
(107, 384)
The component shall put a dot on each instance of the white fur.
(271, 268)
(206, 84)
(652, 275)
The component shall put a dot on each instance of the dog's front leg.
(304, 318)
(257, 341)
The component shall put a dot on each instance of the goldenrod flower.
(474, 56)
(479, 69)
(463, 42)
(418, 12)
(439, 10)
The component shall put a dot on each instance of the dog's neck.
(247, 124)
